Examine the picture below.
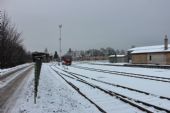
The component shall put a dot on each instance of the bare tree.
(12, 51)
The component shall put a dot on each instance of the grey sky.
(89, 23)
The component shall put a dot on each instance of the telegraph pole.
(60, 26)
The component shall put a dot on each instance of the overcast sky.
(89, 23)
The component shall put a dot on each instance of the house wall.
(151, 58)
(168, 58)
(156, 58)
(139, 58)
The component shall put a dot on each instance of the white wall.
(156, 58)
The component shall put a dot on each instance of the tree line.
(12, 52)
(97, 52)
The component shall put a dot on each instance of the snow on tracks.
(103, 98)
(141, 76)
(144, 96)
(146, 85)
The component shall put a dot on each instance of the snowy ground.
(57, 96)
(54, 96)
(156, 87)
(137, 70)
(5, 81)
(8, 70)
(8, 75)
(102, 62)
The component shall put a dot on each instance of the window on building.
(150, 57)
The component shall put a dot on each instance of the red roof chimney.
(165, 43)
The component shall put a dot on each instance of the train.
(66, 60)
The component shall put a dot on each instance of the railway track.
(88, 98)
(116, 85)
(134, 75)
(127, 89)
(82, 94)
(133, 102)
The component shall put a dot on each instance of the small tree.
(46, 50)
(110, 51)
(69, 51)
(56, 57)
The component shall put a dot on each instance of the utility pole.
(1, 41)
(60, 26)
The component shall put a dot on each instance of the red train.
(66, 60)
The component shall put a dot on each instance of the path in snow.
(9, 88)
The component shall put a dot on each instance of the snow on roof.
(150, 49)
(117, 55)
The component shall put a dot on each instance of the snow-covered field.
(57, 92)
(8, 75)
